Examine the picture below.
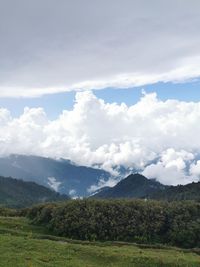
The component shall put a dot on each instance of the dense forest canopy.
(172, 223)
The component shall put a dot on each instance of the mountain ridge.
(16, 193)
(135, 185)
(138, 186)
(68, 176)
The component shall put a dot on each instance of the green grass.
(24, 245)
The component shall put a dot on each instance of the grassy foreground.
(24, 245)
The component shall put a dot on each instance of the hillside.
(134, 186)
(17, 193)
(180, 192)
(61, 175)
(138, 186)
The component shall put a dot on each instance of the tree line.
(174, 223)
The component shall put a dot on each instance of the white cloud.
(53, 183)
(73, 194)
(103, 183)
(171, 168)
(48, 47)
(195, 169)
(158, 137)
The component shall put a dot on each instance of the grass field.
(24, 245)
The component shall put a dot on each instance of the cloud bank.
(158, 138)
(53, 46)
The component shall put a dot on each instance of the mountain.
(17, 193)
(138, 186)
(61, 175)
(180, 192)
(134, 186)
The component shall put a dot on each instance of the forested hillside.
(17, 193)
(179, 192)
(134, 186)
(138, 186)
(61, 175)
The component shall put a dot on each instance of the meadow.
(25, 245)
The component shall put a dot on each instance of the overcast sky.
(54, 53)
(50, 46)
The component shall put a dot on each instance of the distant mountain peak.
(138, 186)
(134, 186)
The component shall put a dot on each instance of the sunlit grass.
(22, 244)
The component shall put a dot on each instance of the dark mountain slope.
(138, 186)
(17, 193)
(61, 175)
(134, 186)
(180, 192)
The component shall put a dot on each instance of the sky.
(104, 83)
(54, 104)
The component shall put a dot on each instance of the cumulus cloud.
(171, 168)
(53, 46)
(158, 138)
